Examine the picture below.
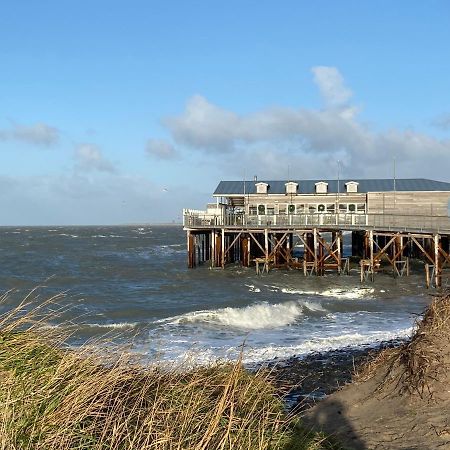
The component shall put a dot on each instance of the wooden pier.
(289, 229)
(322, 250)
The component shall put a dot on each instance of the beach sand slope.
(400, 400)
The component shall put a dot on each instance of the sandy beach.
(398, 399)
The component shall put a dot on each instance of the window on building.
(253, 210)
(321, 187)
(351, 186)
(351, 208)
(301, 209)
(291, 187)
(311, 209)
(261, 210)
(261, 188)
(361, 208)
(342, 208)
(330, 208)
(281, 209)
(270, 210)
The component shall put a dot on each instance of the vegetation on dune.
(52, 397)
(421, 365)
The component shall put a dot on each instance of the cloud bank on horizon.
(310, 141)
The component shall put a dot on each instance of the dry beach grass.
(54, 397)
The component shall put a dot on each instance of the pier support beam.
(191, 250)
(437, 262)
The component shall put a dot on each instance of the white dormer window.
(291, 187)
(352, 186)
(261, 188)
(321, 187)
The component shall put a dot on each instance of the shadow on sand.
(330, 417)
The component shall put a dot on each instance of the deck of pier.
(269, 242)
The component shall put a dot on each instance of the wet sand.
(306, 381)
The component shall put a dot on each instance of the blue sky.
(124, 112)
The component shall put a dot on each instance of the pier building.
(301, 224)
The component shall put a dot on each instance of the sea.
(130, 286)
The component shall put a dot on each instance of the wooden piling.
(191, 250)
(437, 261)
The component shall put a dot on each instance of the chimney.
(255, 178)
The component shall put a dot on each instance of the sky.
(115, 112)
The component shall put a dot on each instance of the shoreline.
(305, 381)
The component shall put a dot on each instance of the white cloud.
(80, 199)
(36, 134)
(161, 149)
(89, 157)
(204, 125)
(331, 85)
(308, 140)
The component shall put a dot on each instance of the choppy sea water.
(132, 283)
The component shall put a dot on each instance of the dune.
(401, 399)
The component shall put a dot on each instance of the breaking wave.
(252, 317)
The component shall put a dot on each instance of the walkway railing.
(199, 219)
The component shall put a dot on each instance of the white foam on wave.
(121, 325)
(252, 288)
(252, 317)
(201, 355)
(323, 344)
(143, 231)
(353, 293)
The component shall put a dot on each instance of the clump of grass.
(52, 397)
(420, 366)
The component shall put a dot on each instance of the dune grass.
(53, 397)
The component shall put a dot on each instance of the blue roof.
(308, 186)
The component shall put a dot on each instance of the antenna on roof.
(395, 183)
(338, 184)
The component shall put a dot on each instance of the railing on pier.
(194, 219)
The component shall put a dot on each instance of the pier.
(303, 225)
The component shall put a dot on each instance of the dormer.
(261, 188)
(321, 187)
(291, 187)
(351, 187)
